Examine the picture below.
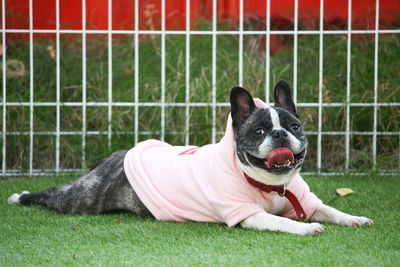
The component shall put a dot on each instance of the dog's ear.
(283, 97)
(242, 104)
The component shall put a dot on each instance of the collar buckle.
(283, 193)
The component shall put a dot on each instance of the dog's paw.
(309, 229)
(14, 198)
(355, 221)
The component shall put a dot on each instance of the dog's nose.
(279, 134)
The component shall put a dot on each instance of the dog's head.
(270, 143)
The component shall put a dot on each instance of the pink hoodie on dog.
(186, 183)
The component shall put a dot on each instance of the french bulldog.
(250, 178)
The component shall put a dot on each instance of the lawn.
(36, 236)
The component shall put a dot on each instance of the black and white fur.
(104, 189)
(257, 132)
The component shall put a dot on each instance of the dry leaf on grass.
(344, 191)
(75, 227)
(117, 220)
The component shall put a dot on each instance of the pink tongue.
(279, 156)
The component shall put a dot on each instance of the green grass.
(335, 82)
(36, 236)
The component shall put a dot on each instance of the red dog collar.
(283, 192)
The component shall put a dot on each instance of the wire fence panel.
(211, 105)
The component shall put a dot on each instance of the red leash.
(283, 192)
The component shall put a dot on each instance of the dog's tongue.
(280, 157)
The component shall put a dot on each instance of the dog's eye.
(295, 127)
(259, 131)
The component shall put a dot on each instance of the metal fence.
(136, 32)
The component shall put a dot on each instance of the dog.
(250, 178)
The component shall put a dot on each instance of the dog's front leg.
(266, 221)
(325, 213)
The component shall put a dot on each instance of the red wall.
(282, 13)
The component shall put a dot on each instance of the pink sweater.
(186, 183)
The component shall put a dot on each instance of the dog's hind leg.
(89, 194)
(104, 189)
(83, 196)
(26, 198)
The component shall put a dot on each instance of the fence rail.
(187, 104)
